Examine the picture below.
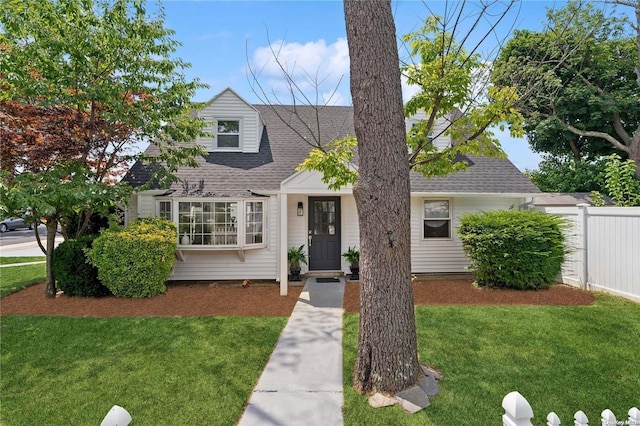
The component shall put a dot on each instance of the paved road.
(23, 242)
(21, 236)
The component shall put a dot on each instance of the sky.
(224, 40)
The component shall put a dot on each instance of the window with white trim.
(254, 220)
(164, 209)
(436, 219)
(221, 224)
(228, 134)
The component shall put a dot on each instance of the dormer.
(235, 124)
(441, 140)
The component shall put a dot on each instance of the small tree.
(619, 183)
(89, 80)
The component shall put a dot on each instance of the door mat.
(328, 280)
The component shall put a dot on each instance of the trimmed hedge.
(73, 273)
(136, 261)
(514, 249)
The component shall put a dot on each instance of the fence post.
(634, 416)
(517, 409)
(553, 419)
(581, 419)
(608, 418)
(582, 219)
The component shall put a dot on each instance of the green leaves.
(621, 186)
(135, 261)
(335, 163)
(576, 81)
(449, 99)
(514, 249)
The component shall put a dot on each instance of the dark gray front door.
(324, 233)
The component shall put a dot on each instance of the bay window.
(219, 224)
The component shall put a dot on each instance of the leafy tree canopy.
(81, 83)
(565, 174)
(577, 81)
(453, 89)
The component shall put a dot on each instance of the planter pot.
(295, 274)
(355, 272)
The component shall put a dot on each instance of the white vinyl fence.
(518, 412)
(605, 245)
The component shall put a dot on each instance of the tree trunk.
(50, 283)
(387, 345)
(573, 144)
(634, 153)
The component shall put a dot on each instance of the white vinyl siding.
(446, 255)
(146, 205)
(441, 141)
(228, 106)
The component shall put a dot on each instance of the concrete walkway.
(302, 382)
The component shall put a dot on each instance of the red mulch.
(263, 299)
(462, 292)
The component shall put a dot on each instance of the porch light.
(300, 209)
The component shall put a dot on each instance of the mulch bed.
(263, 299)
(462, 292)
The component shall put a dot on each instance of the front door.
(324, 233)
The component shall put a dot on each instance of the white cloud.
(309, 64)
(316, 67)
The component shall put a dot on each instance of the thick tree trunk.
(387, 346)
(50, 283)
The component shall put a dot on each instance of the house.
(245, 205)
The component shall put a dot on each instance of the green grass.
(164, 371)
(561, 359)
(20, 259)
(14, 278)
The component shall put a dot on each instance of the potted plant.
(295, 257)
(352, 255)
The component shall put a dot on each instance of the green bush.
(72, 270)
(514, 249)
(136, 261)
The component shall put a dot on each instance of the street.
(23, 242)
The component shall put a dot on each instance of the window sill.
(181, 249)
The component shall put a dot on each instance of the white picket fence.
(605, 244)
(518, 412)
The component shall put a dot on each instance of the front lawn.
(14, 278)
(164, 371)
(561, 359)
(20, 259)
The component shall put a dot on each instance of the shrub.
(514, 249)
(135, 261)
(72, 270)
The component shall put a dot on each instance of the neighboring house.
(239, 212)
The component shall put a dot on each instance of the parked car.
(13, 223)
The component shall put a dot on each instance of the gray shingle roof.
(283, 148)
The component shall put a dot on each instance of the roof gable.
(287, 136)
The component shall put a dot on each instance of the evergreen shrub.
(514, 249)
(73, 273)
(136, 261)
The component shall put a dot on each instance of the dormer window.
(228, 135)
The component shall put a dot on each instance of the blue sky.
(221, 39)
